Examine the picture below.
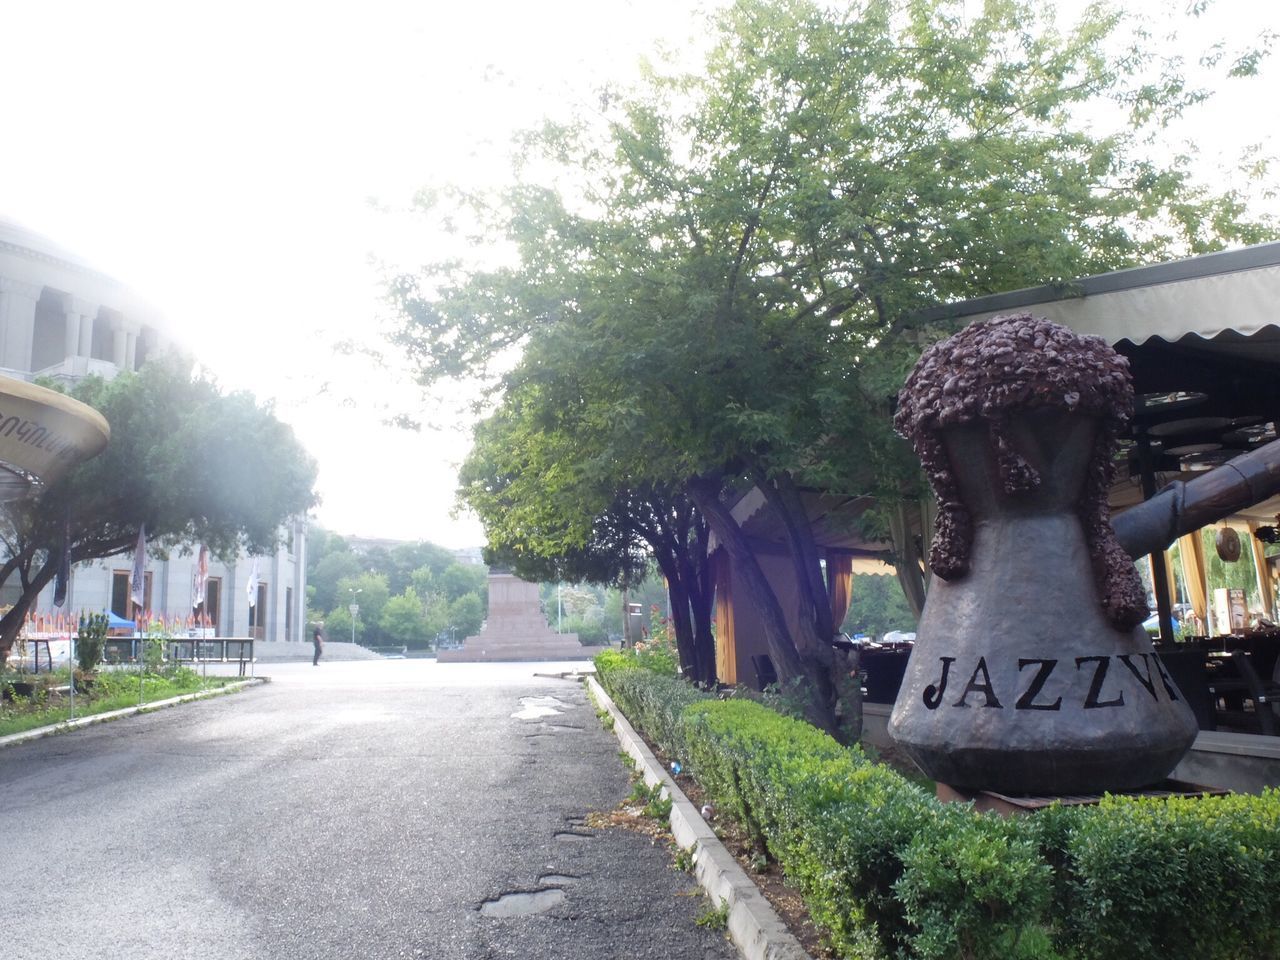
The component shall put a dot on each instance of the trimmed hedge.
(887, 871)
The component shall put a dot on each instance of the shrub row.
(887, 871)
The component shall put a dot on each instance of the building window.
(121, 591)
(103, 346)
(48, 335)
(288, 613)
(212, 608)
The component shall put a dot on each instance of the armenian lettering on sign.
(1046, 683)
(36, 435)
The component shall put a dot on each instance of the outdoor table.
(35, 652)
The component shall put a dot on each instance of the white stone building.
(61, 319)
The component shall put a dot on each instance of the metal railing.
(185, 650)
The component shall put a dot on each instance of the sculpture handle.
(1182, 507)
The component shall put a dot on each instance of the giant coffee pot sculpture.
(1031, 673)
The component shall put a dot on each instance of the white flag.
(138, 591)
(252, 587)
(200, 577)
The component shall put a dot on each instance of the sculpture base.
(988, 801)
(542, 646)
(516, 629)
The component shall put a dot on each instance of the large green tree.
(404, 620)
(551, 516)
(195, 464)
(728, 266)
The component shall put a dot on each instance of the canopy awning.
(43, 434)
(1236, 292)
(832, 523)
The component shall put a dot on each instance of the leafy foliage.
(723, 282)
(408, 594)
(194, 464)
(888, 871)
(91, 640)
(877, 606)
(403, 619)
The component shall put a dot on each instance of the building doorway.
(258, 614)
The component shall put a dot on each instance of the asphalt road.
(354, 810)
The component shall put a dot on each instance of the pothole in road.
(558, 879)
(522, 904)
(572, 836)
(535, 708)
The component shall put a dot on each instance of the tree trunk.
(815, 627)
(11, 623)
(677, 536)
(786, 657)
(704, 641)
(695, 572)
(680, 620)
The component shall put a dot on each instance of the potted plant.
(90, 642)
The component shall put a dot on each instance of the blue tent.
(119, 623)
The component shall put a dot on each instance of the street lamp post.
(354, 609)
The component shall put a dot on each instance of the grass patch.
(714, 918)
(50, 702)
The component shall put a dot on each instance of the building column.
(300, 580)
(79, 314)
(18, 301)
(275, 599)
(131, 350)
(86, 336)
(118, 344)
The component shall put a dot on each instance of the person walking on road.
(317, 640)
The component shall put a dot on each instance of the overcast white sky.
(220, 159)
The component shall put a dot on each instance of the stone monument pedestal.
(516, 629)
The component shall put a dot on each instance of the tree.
(549, 521)
(457, 579)
(325, 575)
(730, 271)
(466, 614)
(194, 464)
(877, 606)
(403, 621)
(435, 614)
(337, 626)
(406, 559)
(369, 590)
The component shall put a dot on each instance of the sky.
(242, 166)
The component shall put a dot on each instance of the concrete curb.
(68, 725)
(754, 927)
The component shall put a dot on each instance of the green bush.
(836, 823)
(91, 640)
(1153, 878)
(975, 888)
(887, 871)
(654, 701)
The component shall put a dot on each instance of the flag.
(64, 568)
(252, 587)
(200, 577)
(138, 593)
